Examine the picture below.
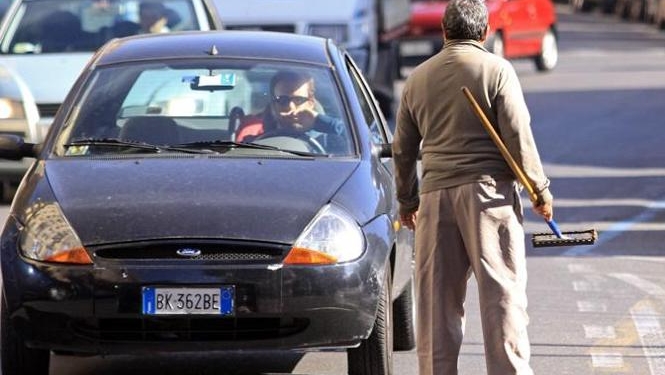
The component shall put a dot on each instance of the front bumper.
(97, 309)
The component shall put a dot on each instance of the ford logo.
(188, 252)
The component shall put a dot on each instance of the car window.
(195, 102)
(372, 118)
(84, 25)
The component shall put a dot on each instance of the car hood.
(37, 70)
(110, 201)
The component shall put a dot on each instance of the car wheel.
(374, 356)
(18, 359)
(581, 5)
(404, 331)
(549, 52)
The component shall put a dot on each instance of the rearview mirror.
(213, 82)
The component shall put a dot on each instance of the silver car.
(18, 116)
(49, 42)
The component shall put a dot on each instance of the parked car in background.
(605, 6)
(18, 116)
(368, 29)
(49, 42)
(145, 225)
(636, 10)
(518, 29)
(659, 15)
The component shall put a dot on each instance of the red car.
(518, 29)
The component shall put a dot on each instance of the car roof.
(227, 43)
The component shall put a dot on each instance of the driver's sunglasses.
(285, 100)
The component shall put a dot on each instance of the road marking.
(579, 268)
(607, 359)
(585, 286)
(599, 332)
(645, 203)
(586, 172)
(590, 306)
(651, 336)
(638, 282)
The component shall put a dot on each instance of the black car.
(146, 224)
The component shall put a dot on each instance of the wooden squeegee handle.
(502, 147)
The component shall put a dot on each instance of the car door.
(521, 25)
(381, 136)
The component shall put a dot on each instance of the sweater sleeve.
(406, 146)
(328, 124)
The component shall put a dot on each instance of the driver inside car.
(293, 112)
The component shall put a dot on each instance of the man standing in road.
(466, 210)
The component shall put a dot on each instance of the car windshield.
(42, 26)
(210, 106)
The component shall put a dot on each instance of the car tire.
(581, 5)
(18, 359)
(404, 327)
(374, 356)
(549, 52)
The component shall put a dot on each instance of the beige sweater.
(456, 149)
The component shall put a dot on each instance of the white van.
(368, 29)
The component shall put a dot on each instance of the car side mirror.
(13, 147)
(383, 150)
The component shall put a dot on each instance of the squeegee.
(557, 237)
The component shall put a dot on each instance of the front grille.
(178, 329)
(286, 28)
(48, 110)
(217, 251)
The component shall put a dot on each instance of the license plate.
(416, 48)
(186, 301)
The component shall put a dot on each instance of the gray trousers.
(471, 229)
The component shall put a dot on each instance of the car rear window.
(84, 25)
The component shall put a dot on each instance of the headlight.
(338, 33)
(331, 237)
(11, 109)
(48, 237)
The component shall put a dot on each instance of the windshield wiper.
(116, 142)
(250, 145)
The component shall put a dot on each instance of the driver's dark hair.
(465, 19)
(294, 78)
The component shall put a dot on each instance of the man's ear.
(485, 34)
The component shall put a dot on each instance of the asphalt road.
(596, 309)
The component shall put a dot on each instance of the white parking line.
(585, 286)
(599, 332)
(651, 336)
(579, 268)
(607, 359)
(638, 282)
(590, 306)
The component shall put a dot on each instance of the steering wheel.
(314, 145)
(292, 142)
